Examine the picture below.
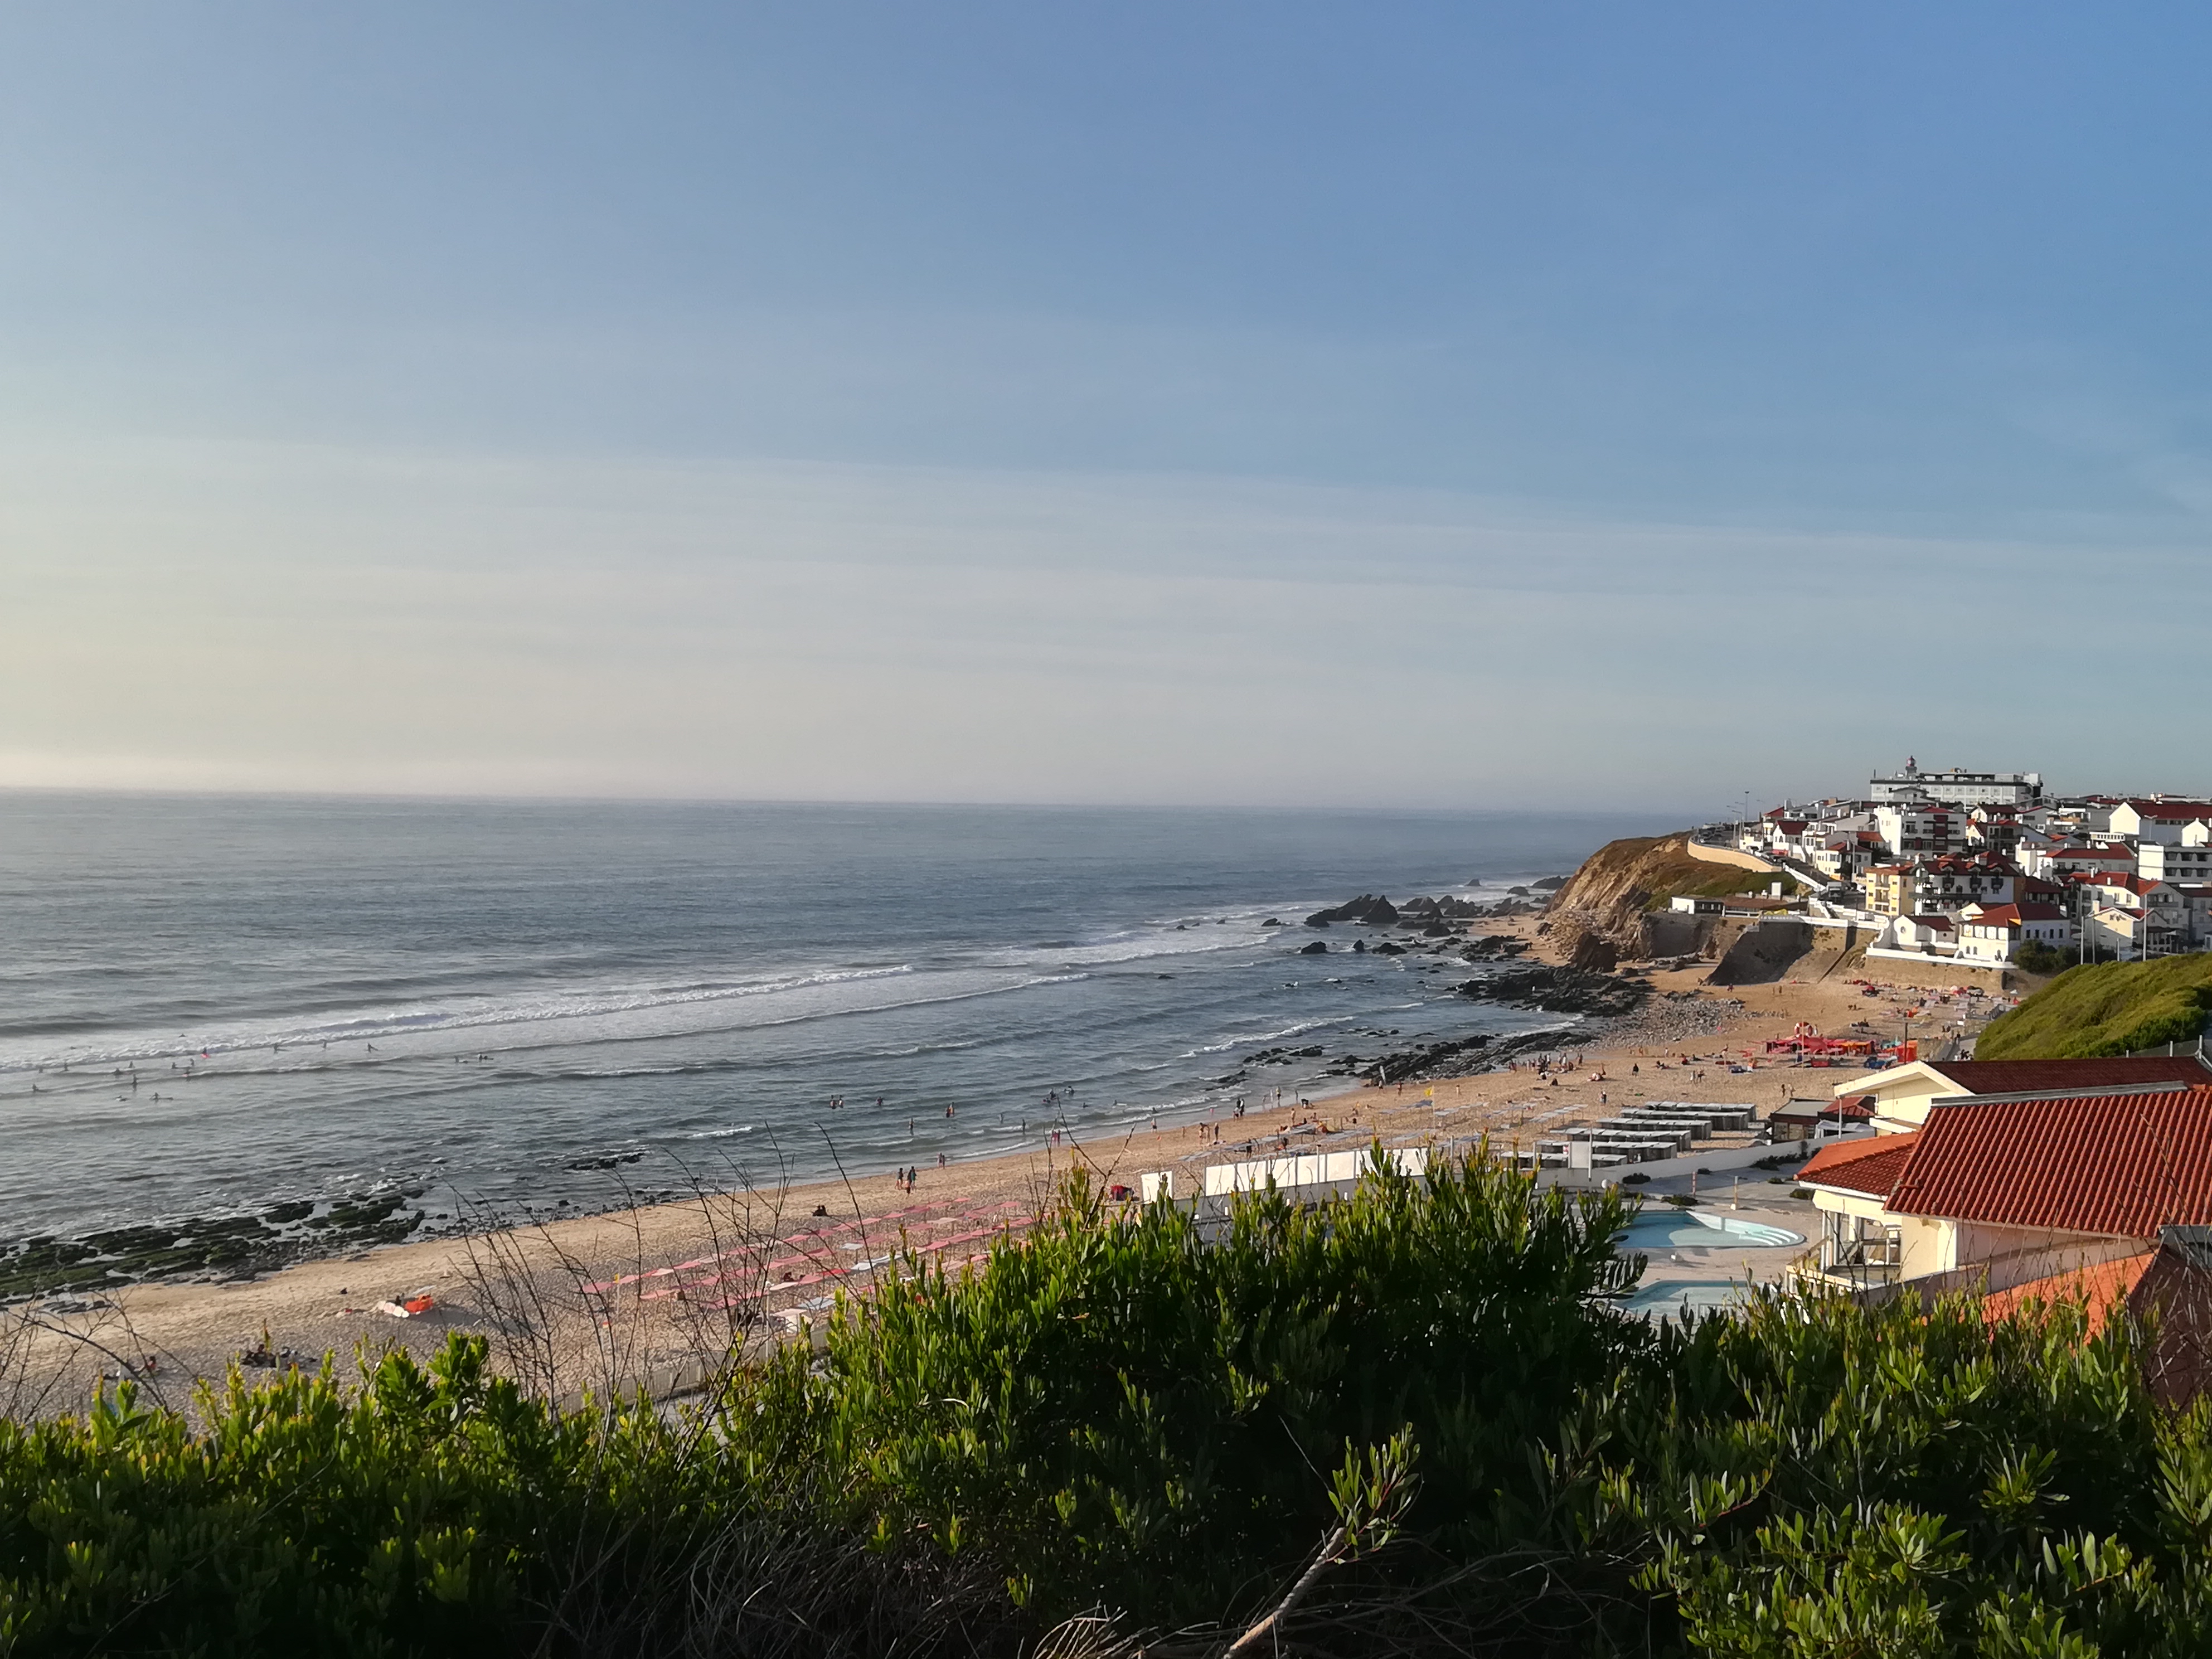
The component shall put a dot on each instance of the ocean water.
(216, 1004)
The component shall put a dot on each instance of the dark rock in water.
(1386, 949)
(1271, 922)
(1475, 881)
(1359, 944)
(1280, 1056)
(1318, 948)
(1492, 946)
(1370, 908)
(1437, 930)
(1561, 990)
(1518, 892)
(606, 1161)
(1550, 883)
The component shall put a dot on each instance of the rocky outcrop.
(1372, 908)
(1567, 990)
(1448, 907)
(1615, 890)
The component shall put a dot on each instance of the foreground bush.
(438, 1512)
(1122, 1412)
(1418, 1406)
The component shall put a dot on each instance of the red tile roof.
(2171, 811)
(1834, 1111)
(2115, 1165)
(2022, 1077)
(2136, 885)
(2105, 1288)
(2011, 915)
(1867, 1167)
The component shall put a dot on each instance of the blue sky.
(1569, 405)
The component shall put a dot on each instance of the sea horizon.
(499, 1007)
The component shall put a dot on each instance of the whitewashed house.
(1995, 932)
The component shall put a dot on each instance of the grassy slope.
(2106, 1009)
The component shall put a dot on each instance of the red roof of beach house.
(2119, 1165)
(2103, 1288)
(2024, 1077)
(1868, 1168)
(1813, 1111)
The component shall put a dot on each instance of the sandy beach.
(652, 1296)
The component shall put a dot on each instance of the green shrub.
(1128, 1414)
(1123, 1410)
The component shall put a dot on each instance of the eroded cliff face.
(1600, 917)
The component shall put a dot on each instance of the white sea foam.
(481, 1014)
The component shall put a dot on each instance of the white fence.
(1299, 1170)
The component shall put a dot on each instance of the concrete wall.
(1671, 933)
(1722, 1160)
(1729, 855)
(1934, 972)
(1763, 954)
(2043, 1256)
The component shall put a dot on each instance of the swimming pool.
(1701, 1229)
(1670, 1299)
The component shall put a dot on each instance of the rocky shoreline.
(220, 1248)
(209, 1248)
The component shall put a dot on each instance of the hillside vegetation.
(2106, 1008)
(1409, 1422)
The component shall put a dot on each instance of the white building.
(2176, 822)
(1930, 935)
(1912, 831)
(2131, 917)
(2157, 861)
(1995, 932)
(1959, 788)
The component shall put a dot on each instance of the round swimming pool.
(1701, 1229)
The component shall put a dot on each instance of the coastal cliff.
(1605, 911)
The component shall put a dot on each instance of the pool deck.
(1700, 1271)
